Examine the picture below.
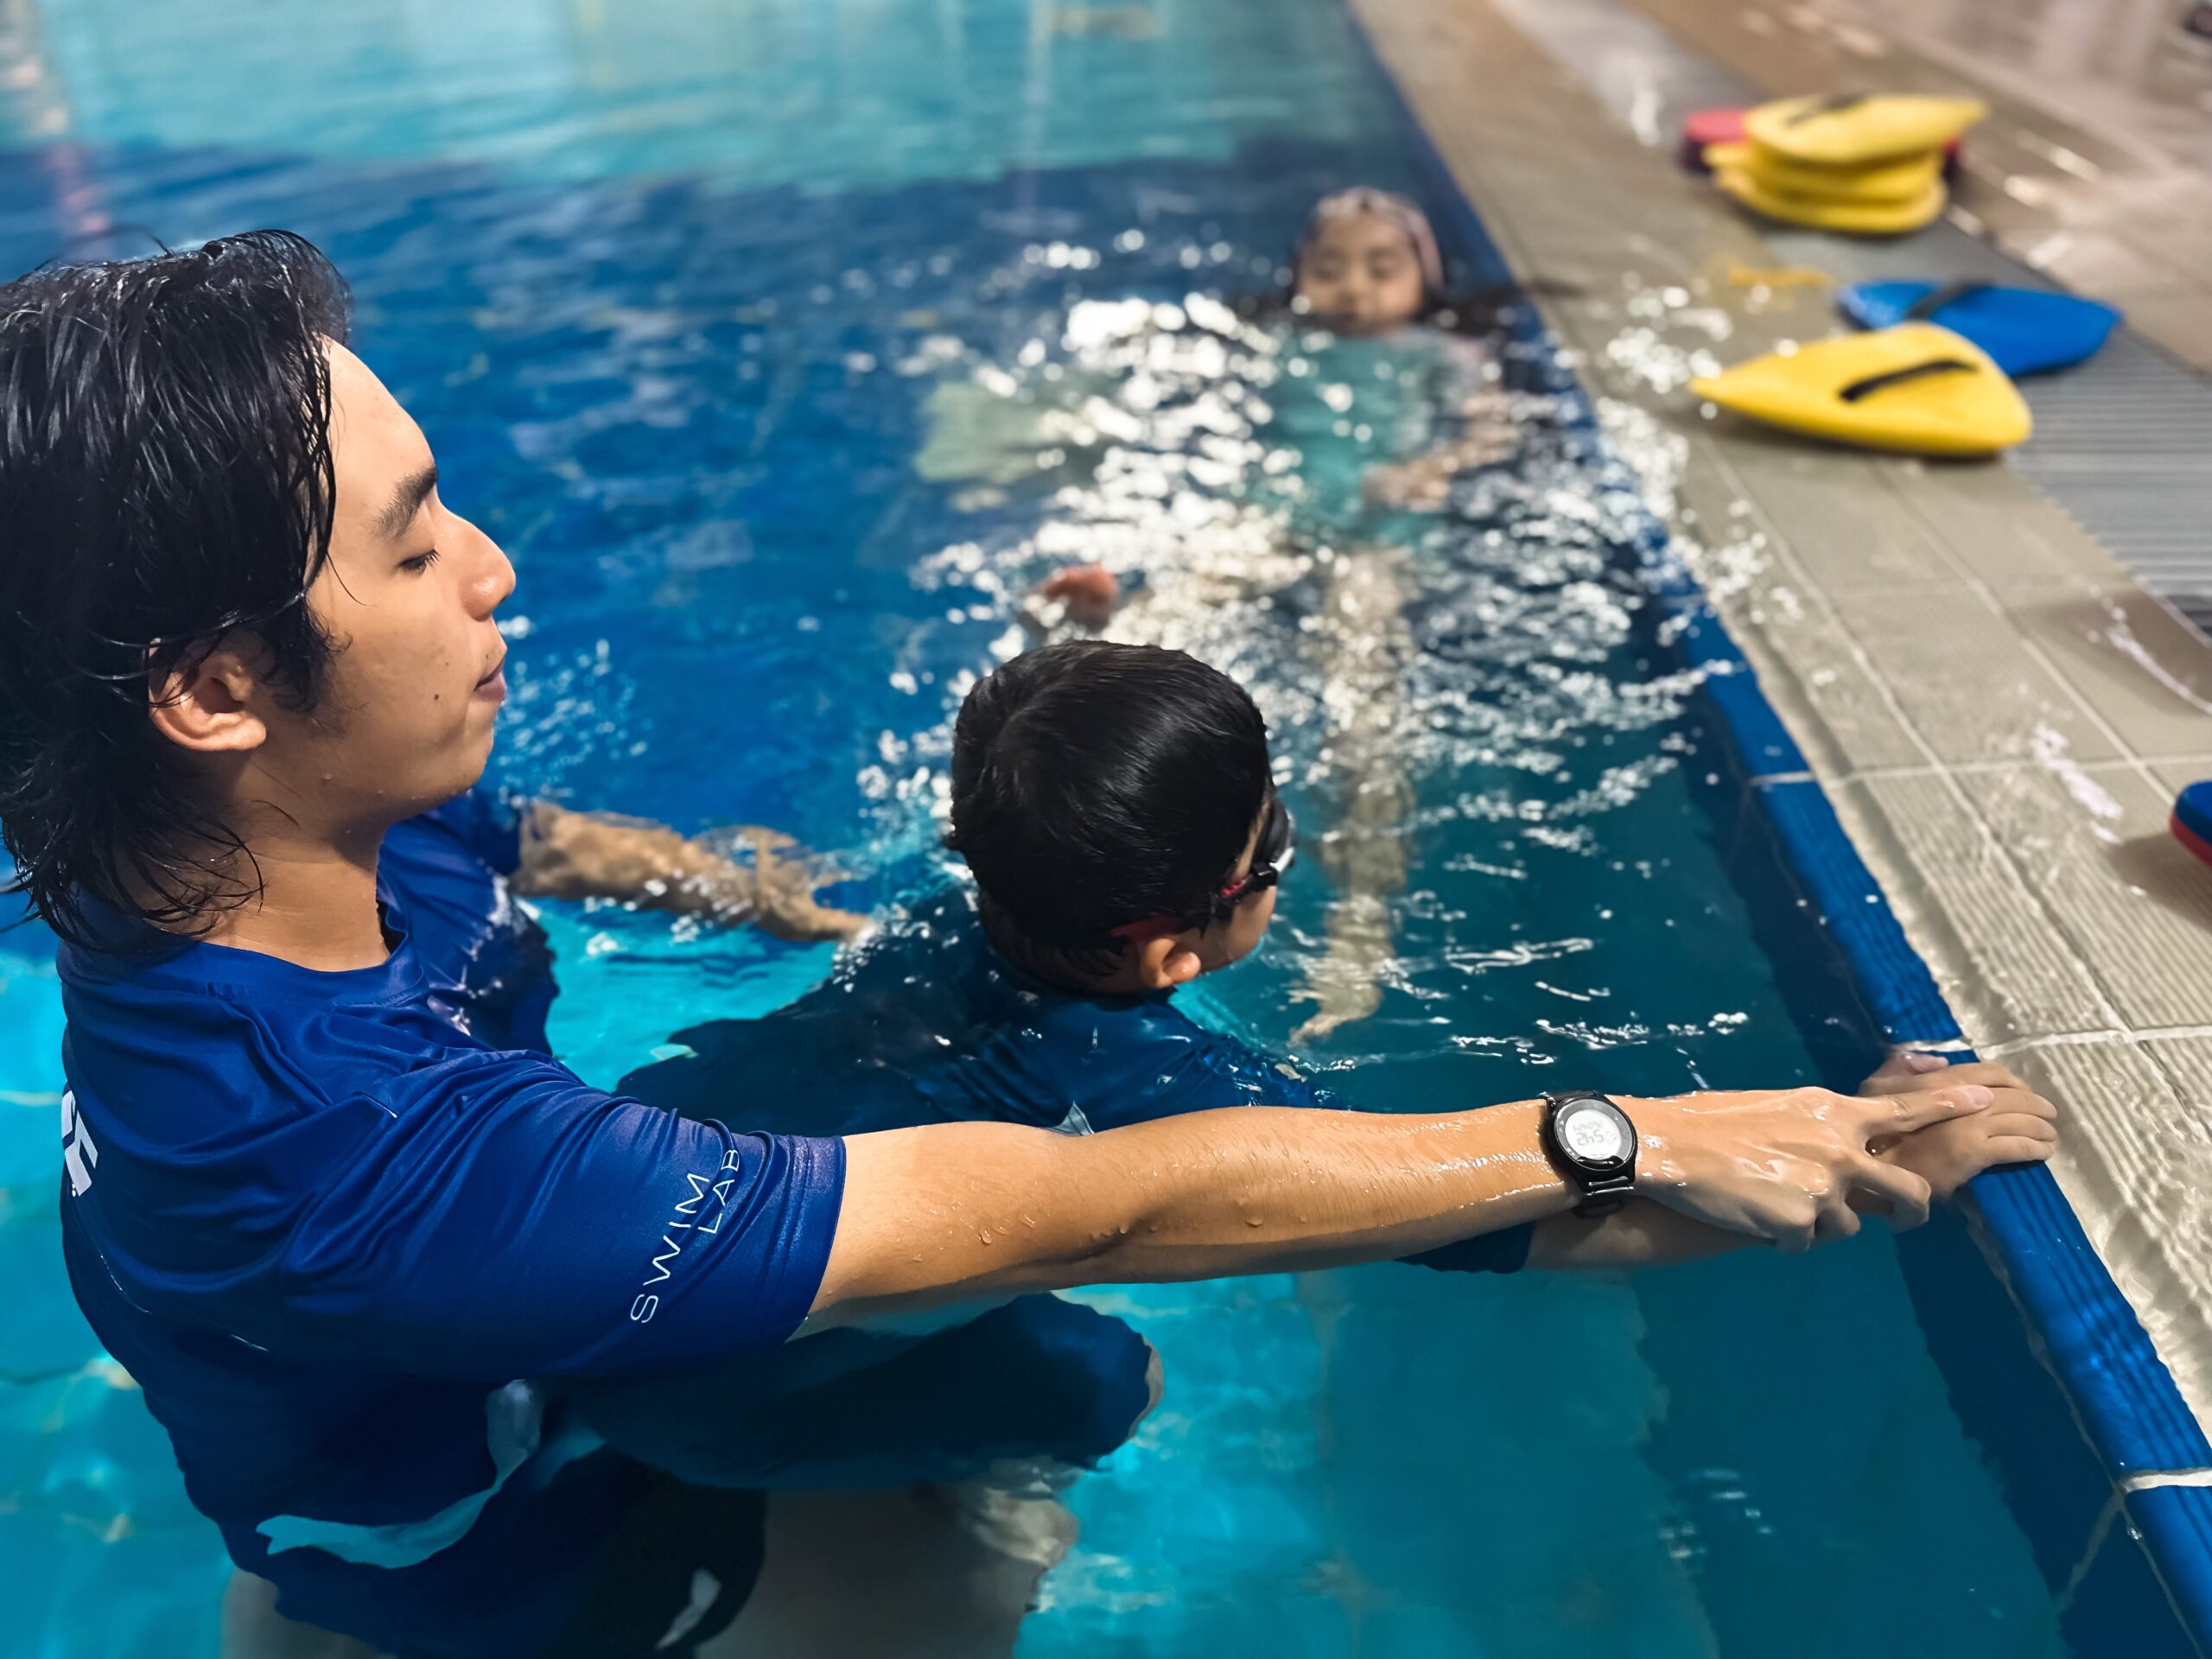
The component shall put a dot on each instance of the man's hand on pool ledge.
(1793, 1168)
(593, 855)
(2019, 1127)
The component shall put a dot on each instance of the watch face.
(1593, 1134)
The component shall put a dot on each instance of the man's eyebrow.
(406, 501)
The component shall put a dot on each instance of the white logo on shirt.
(79, 1155)
(688, 1215)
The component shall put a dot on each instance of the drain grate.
(2124, 443)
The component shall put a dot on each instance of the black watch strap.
(1603, 1194)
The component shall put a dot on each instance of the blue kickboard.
(2024, 330)
(2193, 809)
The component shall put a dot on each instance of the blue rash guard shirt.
(327, 1221)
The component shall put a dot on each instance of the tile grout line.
(1986, 768)
(2146, 1036)
(2151, 1480)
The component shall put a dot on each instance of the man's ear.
(1164, 964)
(208, 705)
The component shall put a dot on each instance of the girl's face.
(1361, 275)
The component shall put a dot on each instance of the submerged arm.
(1638, 1235)
(593, 855)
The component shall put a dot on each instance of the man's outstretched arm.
(952, 1210)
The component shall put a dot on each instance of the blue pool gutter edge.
(2088, 1336)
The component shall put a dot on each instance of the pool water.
(782, 344)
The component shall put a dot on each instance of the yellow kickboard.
(1849, 132)
(1905, 179)
(1915, 388)
(1830, 213)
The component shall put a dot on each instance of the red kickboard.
(1704, 127)
(2190, 839)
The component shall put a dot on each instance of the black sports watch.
(1594, 1144)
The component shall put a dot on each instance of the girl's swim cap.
(1393, 210)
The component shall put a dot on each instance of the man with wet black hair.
(326, 1195)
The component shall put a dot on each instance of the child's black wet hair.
(1095, 785)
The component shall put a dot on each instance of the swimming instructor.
(326, 1196)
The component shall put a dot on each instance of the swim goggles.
(1271, 857)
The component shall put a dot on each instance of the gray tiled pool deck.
(1998, 710)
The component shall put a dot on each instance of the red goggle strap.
(1153, 927)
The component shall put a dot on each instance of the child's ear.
(1162, 964)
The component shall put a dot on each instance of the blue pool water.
(782, 342)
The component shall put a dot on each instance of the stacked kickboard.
(1863, 163)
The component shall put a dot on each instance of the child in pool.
(1367, 263)
(1115, 805)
